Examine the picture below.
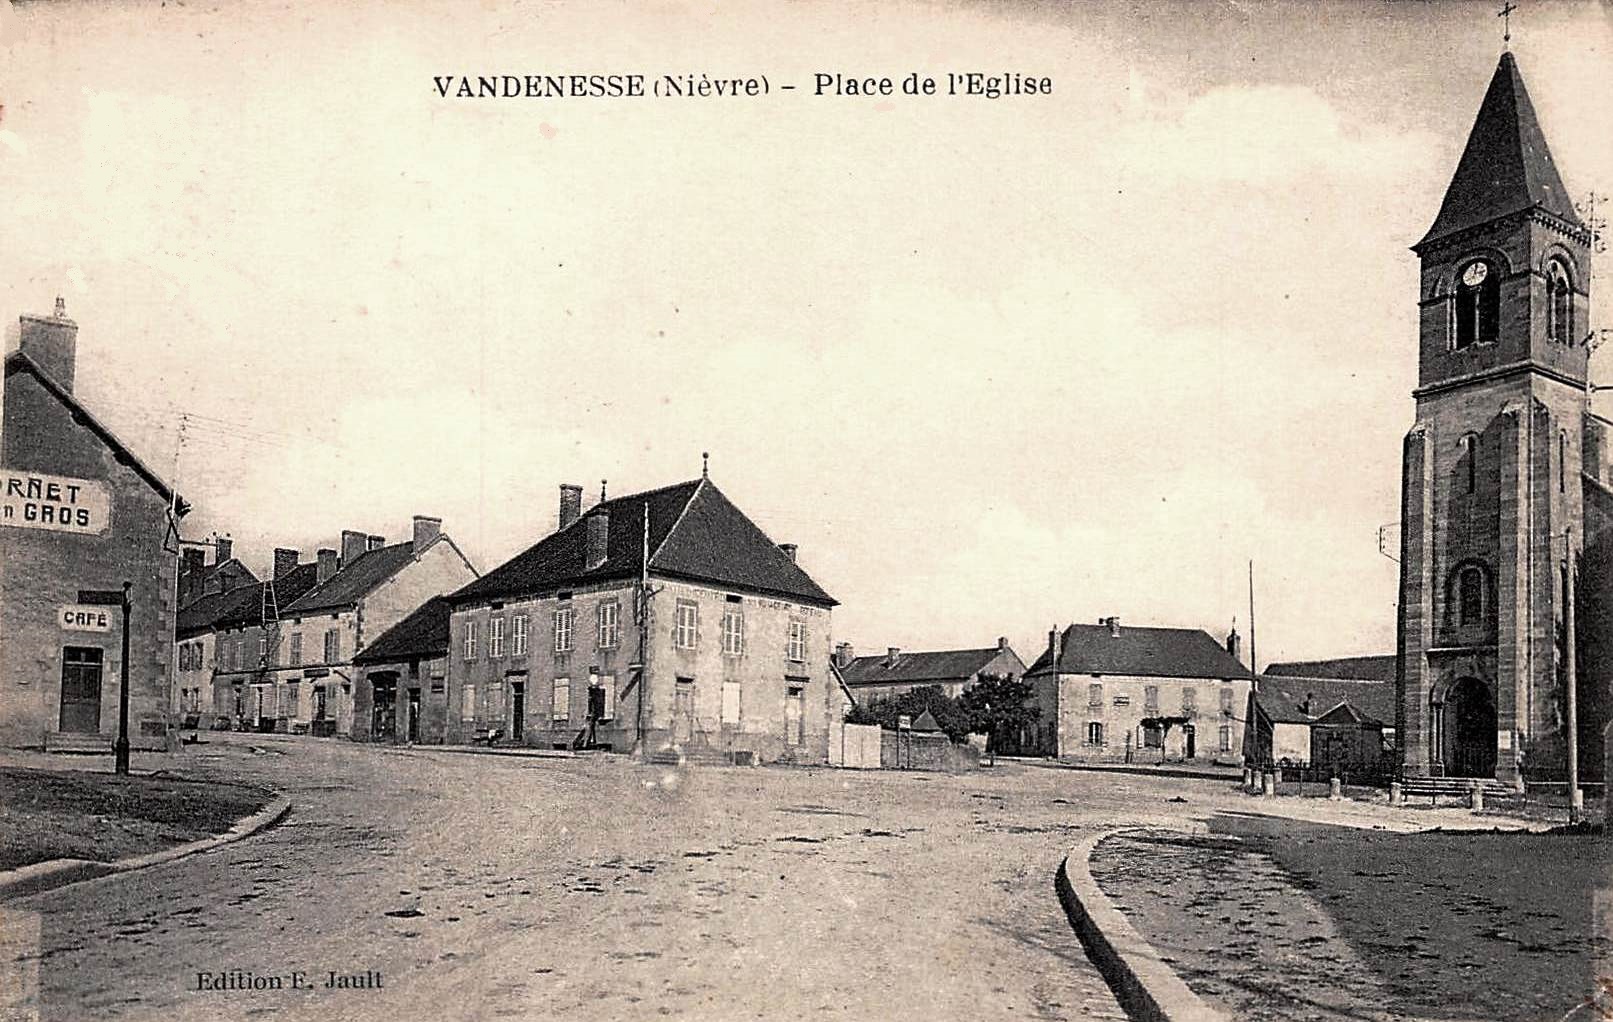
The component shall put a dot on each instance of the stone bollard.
(1395, 797)
(1248, 780)
(1475, 796)
(1335, 790)
(1268, 783)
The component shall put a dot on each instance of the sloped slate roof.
(1144, 652)
(1284, 698)
(243, 605)
(353, 582)
(695, 533)
(926, 722)
(18, 362)
(1358, 668)
(423, 633)
(1506, 166)
(909, 668)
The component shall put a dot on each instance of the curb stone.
(1145, 986)
(45, 876)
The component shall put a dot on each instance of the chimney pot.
(52, 342)
(789, 550)
(426, 531)
(223, 549)
(598, 539)
(326, 564)
(285, 561)
(570, 504)
(1114, 626)
(891, 654)
(843, 654)
(353, 543)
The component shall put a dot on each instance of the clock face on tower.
(1474, 275)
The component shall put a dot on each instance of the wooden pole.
(1575, 797)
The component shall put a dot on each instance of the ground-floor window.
(730, 702)
(562, 699)
(1095, 733)
(1153, 737)
(1226, 738)
(467, 705)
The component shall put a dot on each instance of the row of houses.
(661, 618)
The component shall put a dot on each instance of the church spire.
(1506, 167)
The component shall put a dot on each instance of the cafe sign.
(77, 617)
(54, 503)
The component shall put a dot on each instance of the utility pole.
(643, 629)
(1576, 803)
(120, 751)
(1254, 671)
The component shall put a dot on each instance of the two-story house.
(294, 671)
(664, 619)
(1149, 694)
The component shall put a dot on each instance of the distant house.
(293, 670)
(223, 633)
(898, 671)
(401, 693)
(198, 578)
(1117, 693)
(1336, 714)
(660, 619)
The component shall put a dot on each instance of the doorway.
(383, 711)
(81, 689)
(683, 711)
(1469, 730)
(1192, 741)
(414, 716)
(517, 709)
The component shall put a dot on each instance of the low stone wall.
(922, 750)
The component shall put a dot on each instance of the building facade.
(401, 694)
(664, 619)
(80, 514)
(1499, 463)
(1330, 715)
(1128, 694)
(290, 668)
(951, 670)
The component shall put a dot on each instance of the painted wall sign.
(76, 617)
(55, 503)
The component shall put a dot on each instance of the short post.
(1395, 797)
(1268, 782)
(1334, 790)
(1475, 795)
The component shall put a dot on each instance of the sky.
(994, 365)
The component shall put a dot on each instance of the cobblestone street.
(489, 886)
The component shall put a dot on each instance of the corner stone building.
(1503, 462)
(78, 511)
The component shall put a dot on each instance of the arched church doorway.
(1469, 730)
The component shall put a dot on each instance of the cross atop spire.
(1505, 14)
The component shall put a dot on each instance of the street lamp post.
(120, 750)
(1575, 798)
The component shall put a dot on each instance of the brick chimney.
(375, 543)
(52, 342)
(285, 562)
(892, 654)
(326, 564)
(426, 531)
(598, 542)
(223, 549)
(789, 550)
(570, 503)
(1054, 647)
(352, 546)
(844, 654)
(1114, 626)
(190, 575)
(1235, 644)
(1002, 643)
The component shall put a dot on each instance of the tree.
(887, 711)
(999, 705)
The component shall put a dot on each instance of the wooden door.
(683, 711)
(414, 715)
(81, 689)
(517, 710)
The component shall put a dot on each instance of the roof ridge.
(700, 485)
(108, 437)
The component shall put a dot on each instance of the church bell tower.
(1492, 504)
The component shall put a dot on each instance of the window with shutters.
(562, 629)
(560, 706)
(467, 703)
(470, 640)
(798, 641)
(687, 626)
(518, 635)
(733, 632)
(730, 702)
(495, 637)
(610, 629)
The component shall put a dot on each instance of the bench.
(488, 735)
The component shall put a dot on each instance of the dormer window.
(1559, 306)
(1478, 305)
